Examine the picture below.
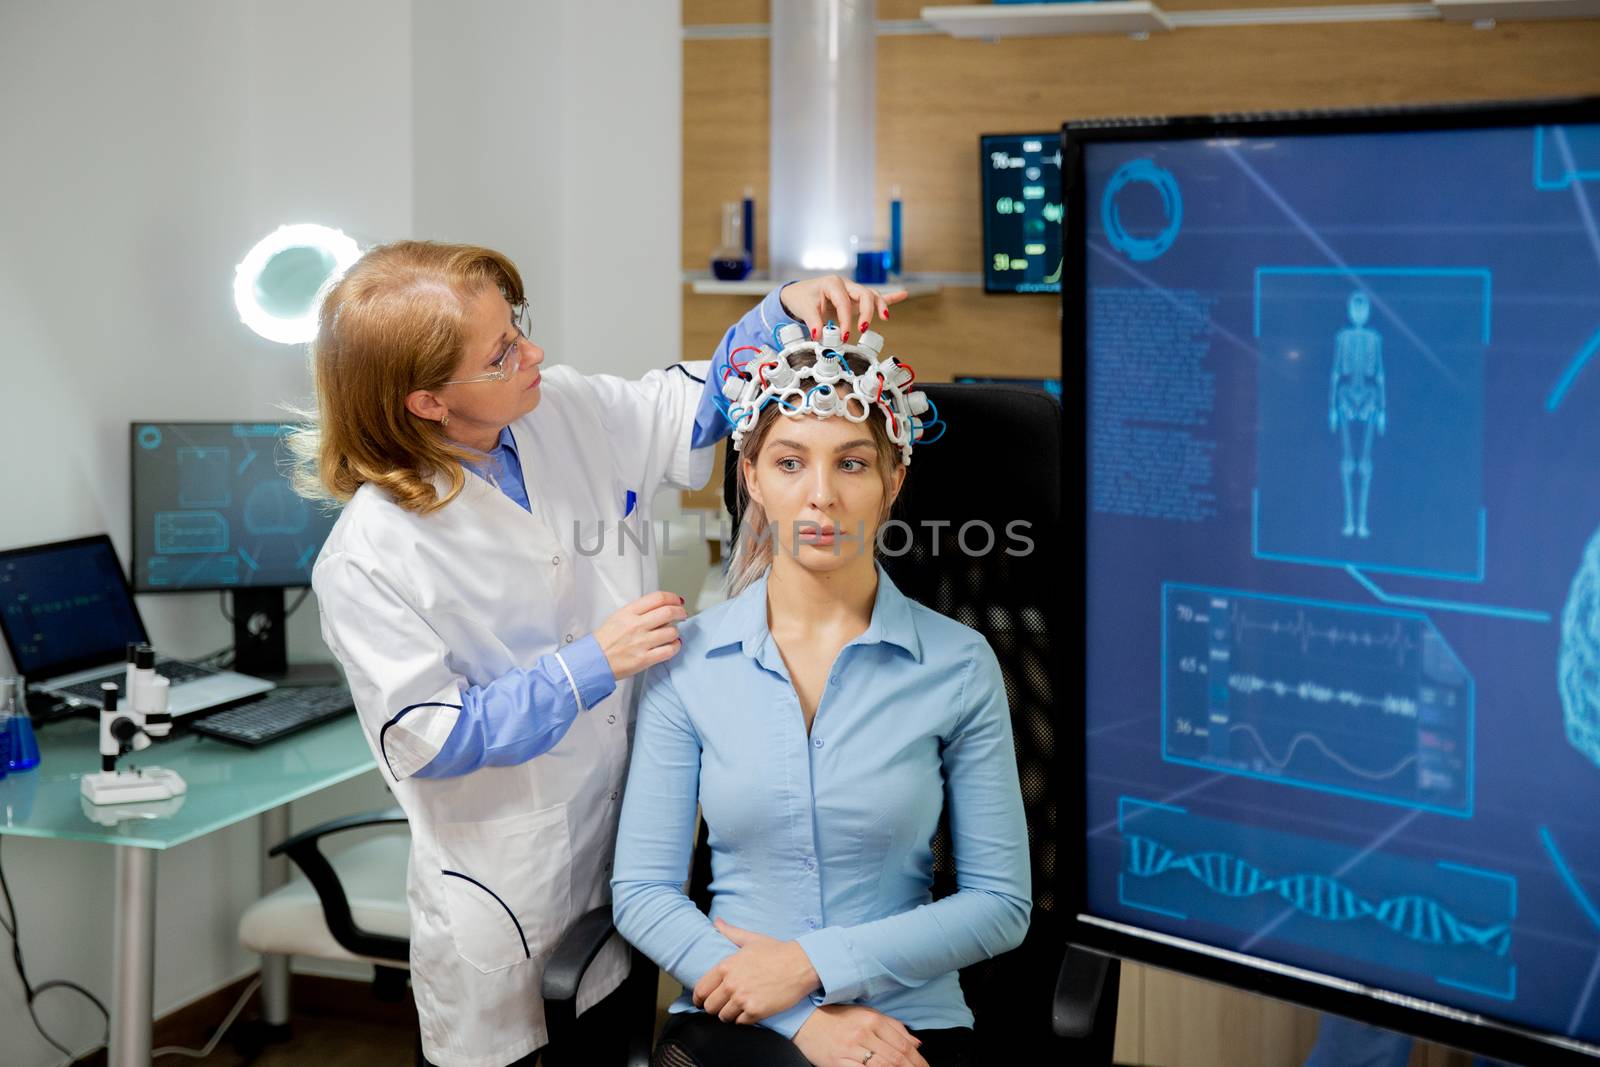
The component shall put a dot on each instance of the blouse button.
(611, 718)
(817, 742)
(569, 639)
(811, 865)
(555, 561)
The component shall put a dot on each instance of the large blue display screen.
(1343, 667)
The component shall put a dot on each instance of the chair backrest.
(997, 472)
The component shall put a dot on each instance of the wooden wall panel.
(725, 90)
(937, 94)
(715, 12)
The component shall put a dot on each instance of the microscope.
(123, 731)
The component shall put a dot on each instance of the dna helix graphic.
(1417, 918)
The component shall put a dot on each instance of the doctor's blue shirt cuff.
(757, 327)
(591, 671)
(829, 952)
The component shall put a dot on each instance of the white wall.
(553, 131)
(143, 147)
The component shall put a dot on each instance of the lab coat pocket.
(507, 886)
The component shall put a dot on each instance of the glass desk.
(227, 784)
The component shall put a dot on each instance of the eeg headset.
(834, 389)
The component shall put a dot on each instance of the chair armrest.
(574, 952)
(302, 849)
(1079, 989)
(335, 826)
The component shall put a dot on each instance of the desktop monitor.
(1340, 500)
(1021, 212)
(213, 510)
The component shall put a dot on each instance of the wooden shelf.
(762, 286)
(1516, 10)
(1043, 20)
(994, 21)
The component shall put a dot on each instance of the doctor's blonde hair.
(395, 323)
(753, 541)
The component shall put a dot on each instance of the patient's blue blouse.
(825, 838)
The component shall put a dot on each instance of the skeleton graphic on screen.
(1356, 395)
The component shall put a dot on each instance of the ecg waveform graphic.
(1340, 698)
(1300, 627)
(1415, 917)
(1316, 693)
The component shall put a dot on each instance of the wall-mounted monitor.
(1021, 212)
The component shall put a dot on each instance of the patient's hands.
(840, 1034)
(764, 977)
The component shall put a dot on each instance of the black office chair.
(1000, 464)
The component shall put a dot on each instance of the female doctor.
(491, 663)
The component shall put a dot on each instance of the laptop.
(67, 615)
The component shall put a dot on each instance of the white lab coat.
(418, 606)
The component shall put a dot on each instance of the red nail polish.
(885, 314)
(813, 333)
(847, 335)
(864, 326)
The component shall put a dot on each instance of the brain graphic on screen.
(1578, 669)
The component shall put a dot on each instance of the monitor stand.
(259, 622)
(260, 646)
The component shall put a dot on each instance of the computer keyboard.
(176, 671)
(278, 713)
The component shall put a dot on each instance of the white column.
(824, 99)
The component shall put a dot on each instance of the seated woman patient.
(819, 718)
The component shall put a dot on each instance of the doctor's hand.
(764, 977)
(840, 1035)
(641, 634)
(816, 300)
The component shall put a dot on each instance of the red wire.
(761, 371)
(894, 426)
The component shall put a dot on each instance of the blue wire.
(926, 425)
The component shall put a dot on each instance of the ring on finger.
(868, 1057)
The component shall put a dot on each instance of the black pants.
(599, 1039)
(695, 1039)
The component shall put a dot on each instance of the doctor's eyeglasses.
(510, 359)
